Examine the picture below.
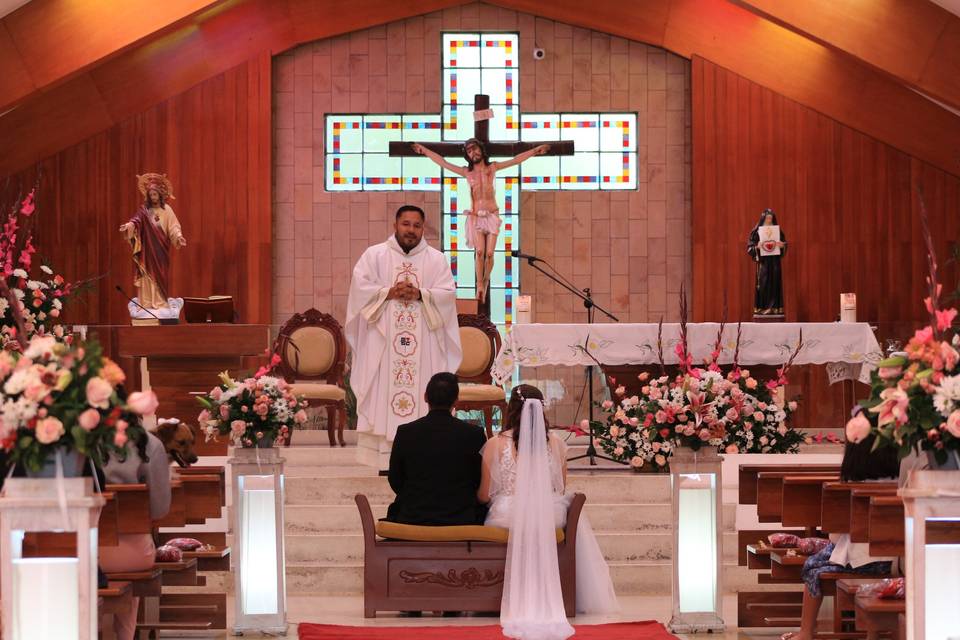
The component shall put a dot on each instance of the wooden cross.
(481, 131)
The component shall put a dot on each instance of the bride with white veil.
(524, 481)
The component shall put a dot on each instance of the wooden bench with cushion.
(448, 568)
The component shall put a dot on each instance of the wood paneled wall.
(214, 142)
(847, 203)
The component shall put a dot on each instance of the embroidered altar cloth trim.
(535, 345)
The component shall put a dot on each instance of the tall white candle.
(40, 587)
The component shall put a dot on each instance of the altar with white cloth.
(852, 345)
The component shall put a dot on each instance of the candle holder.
(28, 584)
(697, 550)
(261, 583)
(931, 499)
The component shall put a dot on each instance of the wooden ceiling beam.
(46, 42)
(782, 60)
(915, 41)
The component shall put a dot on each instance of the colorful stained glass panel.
(502, 85)
(618, 170)
(618, 132)
(499, 50)
(580, 171)
(381, 172)
(461, 50)
(583, 129)
(378, 131)
(344, 134)
(540, 126)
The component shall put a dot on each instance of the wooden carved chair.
(313, 350)
(480, 340)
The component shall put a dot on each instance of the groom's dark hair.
(410, 207)
(442, 390)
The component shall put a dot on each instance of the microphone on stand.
(158, 318)
(525, 256)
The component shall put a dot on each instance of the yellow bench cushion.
(461, 533)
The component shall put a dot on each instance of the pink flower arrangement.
(257, 411)
(697, 407)
(55, 396)
(915, 396)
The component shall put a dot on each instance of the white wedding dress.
(527, 496)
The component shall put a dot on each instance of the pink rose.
(614, 431)
(49, 430)
(300, 416)
(660, 460)
(751, 383)
(621, 390)
(732, 414)
(732, 448)
(119, 439)
(643, 376)
(792, 405)
(224, 411)
(142, 402)
(858, 428)
(122, 425)
(618, 451)
(782, 429)
(704, 434)
(636, 462)
(204, 417)
(607, 404)
(634, 421)
(99, 392)
(215, 394)
(585, 425)
(655, 446)
(953, 424)
(89, 419)
(758, 416)
(689, 430)
(237, 427)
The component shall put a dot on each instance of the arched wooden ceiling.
(79, 88)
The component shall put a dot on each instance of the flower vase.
(71, 461)
(952, 462)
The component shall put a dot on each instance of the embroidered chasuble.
(397, 345)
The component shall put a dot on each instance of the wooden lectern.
(177, 361)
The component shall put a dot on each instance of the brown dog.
(177, 439)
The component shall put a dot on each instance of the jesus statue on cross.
(483, 219)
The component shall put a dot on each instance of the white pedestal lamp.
(259, 563)
(31, 586)
(931, 499)
(697, 551)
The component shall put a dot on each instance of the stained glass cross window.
(357, 153)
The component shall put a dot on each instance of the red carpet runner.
(647, 630)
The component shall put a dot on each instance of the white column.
(258, 554)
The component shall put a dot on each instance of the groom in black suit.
(435, 463)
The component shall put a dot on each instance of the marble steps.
(622, 547)
(599, 487)
(604, 517)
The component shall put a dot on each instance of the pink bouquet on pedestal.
(914, 402)
(256, 412)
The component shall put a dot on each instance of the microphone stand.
(591, 308)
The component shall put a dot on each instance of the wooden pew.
(802, 500)
(116, 598)
(885, 523)
(860, 509)
(770, 492)
(876, 616)
(748, 476)
(836, 506)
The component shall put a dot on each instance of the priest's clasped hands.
(403, 291)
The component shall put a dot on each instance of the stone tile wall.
(632, 248)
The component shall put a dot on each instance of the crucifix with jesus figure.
(483, 217)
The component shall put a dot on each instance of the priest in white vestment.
(402, 328)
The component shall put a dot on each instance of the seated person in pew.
(860, 464)
(146, 463)
(503, 456)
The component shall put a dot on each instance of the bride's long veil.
(532, 604)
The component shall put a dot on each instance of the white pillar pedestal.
(258, 550)
(931, 594)
(695, 480)
(49, 598)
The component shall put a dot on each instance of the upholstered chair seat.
(480, 341)
(312, 350)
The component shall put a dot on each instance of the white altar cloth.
(535, 345)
